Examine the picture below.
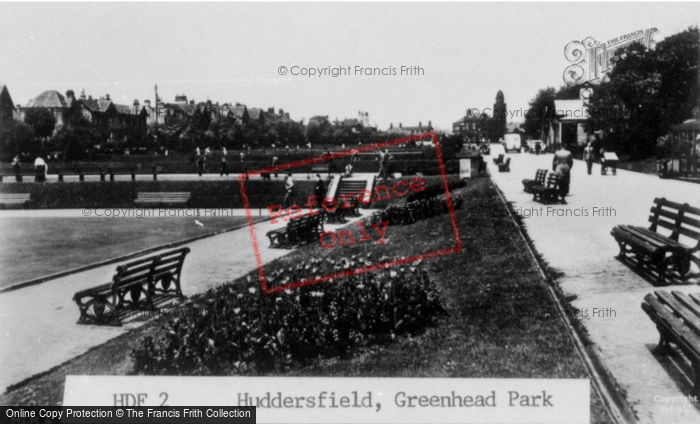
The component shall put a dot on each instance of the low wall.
(121, 194)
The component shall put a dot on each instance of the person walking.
(17, 168)
(320, 189)
(289, 189)
(538, 147)
(383, 163)
(561, 164)
(224, 166)
(588, 157)
(200, 164)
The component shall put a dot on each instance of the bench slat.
(688, 316)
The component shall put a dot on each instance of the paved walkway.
(38, 327)
(608, 294)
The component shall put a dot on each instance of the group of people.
(200, 160)
(41, 169)
(589, 156)
(289, 190)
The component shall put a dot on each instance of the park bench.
(13, 199)
(549, 192)
(322, 168)
(499, 159)
(162, 198)
(504, 166)
(677, 317)
(107, 172)
(137, 285)
(539, 180)
(301, 230)
(664, 254)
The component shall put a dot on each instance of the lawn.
(500, 319)
(34, 247)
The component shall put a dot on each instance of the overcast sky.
(232, 52)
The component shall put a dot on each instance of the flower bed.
(241, 331)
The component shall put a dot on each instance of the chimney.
(430, 125)
(420, 124)
(271, 110)
(70, 97)
(107, 97)
(147, 103)
(82, 94)
(281, 112)
(400, 126)
(136, 106)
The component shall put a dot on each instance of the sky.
(233, 52)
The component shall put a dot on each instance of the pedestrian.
(383, 162)
(17, 168)
(242, 156)
(320, 189)
(200, 164)
(224, 167)
(348, 170)
(601, 154)
(561, 164)
(275, 159)
(41, 169)
(288, 189)
(588, 157)
(538, 147)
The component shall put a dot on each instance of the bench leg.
(663, 348)
(98, 310)
(696, 380)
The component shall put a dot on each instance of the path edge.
(617, 407)
(49, 277)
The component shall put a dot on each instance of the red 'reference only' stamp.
(289, 166)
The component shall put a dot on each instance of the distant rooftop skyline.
(233, 52)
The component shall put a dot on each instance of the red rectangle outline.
(328, 156)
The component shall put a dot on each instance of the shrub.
(234, 330)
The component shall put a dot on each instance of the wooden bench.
(136, 285)
(499, 159)
(13, 199)
(301, 230)
(504, 166)
(162, 198)
(539, 180)
(663, 254)
(677, 317)
(549, 192)
(320, 169)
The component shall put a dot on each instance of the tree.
(16, 137)
(540, 113)
(647, 92)
(41, 121)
